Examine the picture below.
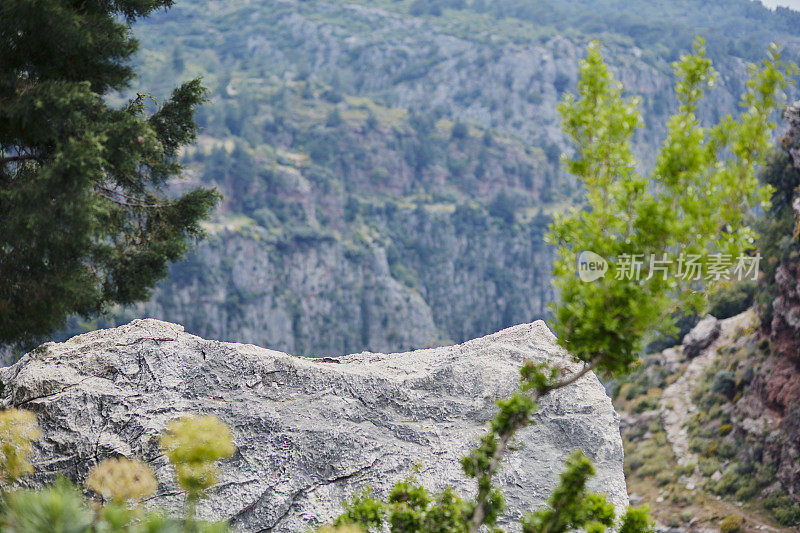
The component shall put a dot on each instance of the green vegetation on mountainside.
(351, 147)
(735, 465)
(343, 132)
(423, 199)
(664, 29)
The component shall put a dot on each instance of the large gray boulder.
(310, 432)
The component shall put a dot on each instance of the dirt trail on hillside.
(676, 407)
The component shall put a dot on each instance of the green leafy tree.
(84, 217)
(694, 202)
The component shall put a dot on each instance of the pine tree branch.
(575, 377)
(127, 200)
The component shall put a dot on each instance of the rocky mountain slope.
(389, 166)
(435, 234)
(712, 425)
(309, 432)
(704, 436)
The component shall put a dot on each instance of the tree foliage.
(85, 220)
(661, 28)
(693, 204)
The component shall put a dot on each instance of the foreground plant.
(59, 507)
(193, 445)
(694, 203)
(121, 480)
(18, 430)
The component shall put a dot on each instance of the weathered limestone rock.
(702, 335)
(309, 432)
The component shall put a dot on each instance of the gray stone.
(701, 337)
(309, 432)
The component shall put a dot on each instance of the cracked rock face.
(309, 432)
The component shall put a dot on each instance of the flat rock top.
(309, 432)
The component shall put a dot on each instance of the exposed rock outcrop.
(773, 400)
(309, 432)
(676, 407)
(702, 335)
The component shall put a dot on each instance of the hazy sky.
(794, 4)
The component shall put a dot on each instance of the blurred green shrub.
(121, 479)
(734, 300)
(59, 507)
(18, 429)
(732, 524)
(192, 443)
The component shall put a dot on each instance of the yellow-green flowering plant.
(121, 480)
(18, 430)
(194, 444)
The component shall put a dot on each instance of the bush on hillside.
(732, 524)
(732, 301)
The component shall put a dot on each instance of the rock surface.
(702, 335)
(309, 432)
(774, 392)
(676, 407)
